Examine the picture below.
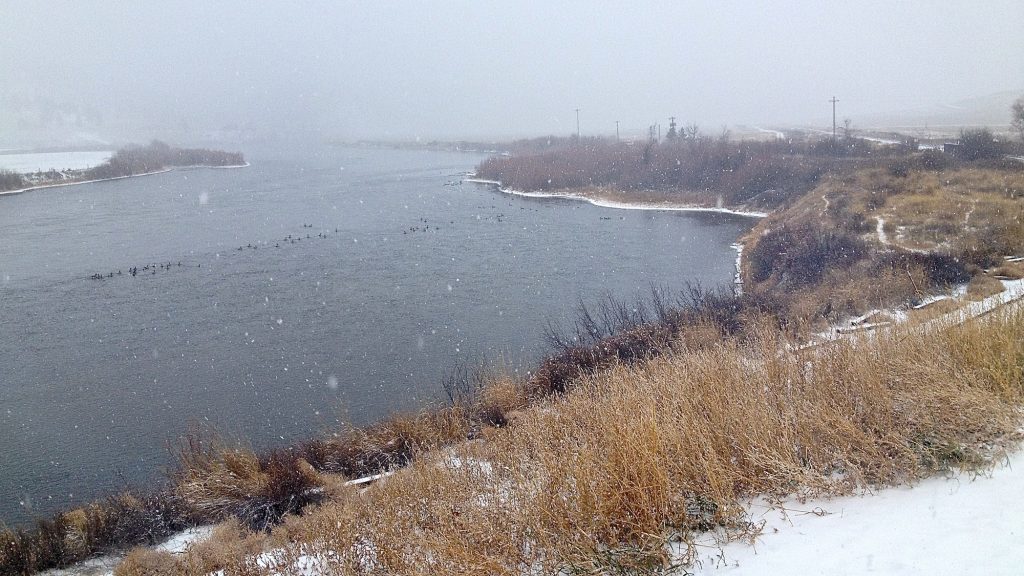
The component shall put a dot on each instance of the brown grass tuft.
(217, 481)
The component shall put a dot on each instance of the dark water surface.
(277, 342)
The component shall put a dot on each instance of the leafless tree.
(1018, 117)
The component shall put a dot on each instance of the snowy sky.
(480, 68)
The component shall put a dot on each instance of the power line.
(834, 100)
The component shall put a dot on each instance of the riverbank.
(651, 466)
(596, 198)
(77, 182)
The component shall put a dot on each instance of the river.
(320, 284)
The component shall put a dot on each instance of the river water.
(315, 286)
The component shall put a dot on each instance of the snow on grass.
(1013, 291)
(180, 541)
(104, 565)
(961, 524)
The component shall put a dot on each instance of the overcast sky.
(445, 69)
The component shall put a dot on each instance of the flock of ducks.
(153, 268)
(135, 270)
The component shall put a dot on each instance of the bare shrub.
(216, 481)
(798, 254)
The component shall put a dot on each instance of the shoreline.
(161, 171)
(665, 207)
(737, 282)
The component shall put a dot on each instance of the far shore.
(592, 197)
(76, 182)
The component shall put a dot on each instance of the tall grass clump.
(216, 481)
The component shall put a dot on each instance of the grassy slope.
(603, 477)
(940, 227)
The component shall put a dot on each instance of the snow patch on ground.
(180, 541)
(956, 525)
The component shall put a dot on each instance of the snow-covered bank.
(961, 524)
(665, 206)
(27, 162)
(75, 183)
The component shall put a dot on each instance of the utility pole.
(616, 130)
(833, 101)
(577, 124)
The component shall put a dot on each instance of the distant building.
(952, 148)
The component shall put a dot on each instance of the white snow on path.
(956, 525)
(880, 228)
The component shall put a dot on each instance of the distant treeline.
(11, 180)
(128, 161)
(750, 173)
(157, 155)
(746, 172)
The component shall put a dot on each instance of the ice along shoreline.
(667, 206)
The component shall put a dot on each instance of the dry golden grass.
(147, 562)
(982, 286)
(218, 481)
(932, 311)
(966, 210)
(600, 479)
(1011, 270)
(230, 548)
